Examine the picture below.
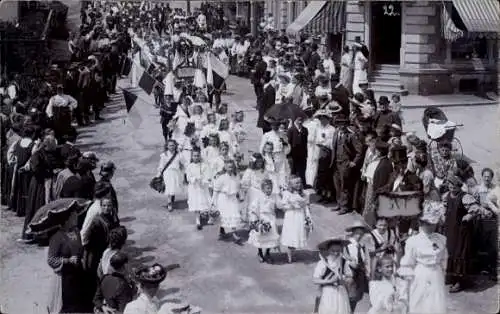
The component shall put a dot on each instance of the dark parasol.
(285, 111)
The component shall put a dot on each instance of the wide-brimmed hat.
(90, 155)
(323, 113)
(325, 245)
(108, 167)
(454, 179)
(433, 212)
(180, 308)
(358, 225)
(334, 107)
(397, 127)
(152, 275)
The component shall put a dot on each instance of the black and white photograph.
(249, 157)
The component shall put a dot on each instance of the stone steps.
(385, 79)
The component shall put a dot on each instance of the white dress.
(210, 155)
(209, 128)
(239, 134)
(181, 120)
(426, 257)
(360, 74)
(173, 175)
(199, 122)
(251, 182)
(387, 296)
(312, 151)
(198, 198)
(294, 233)
(263, 208)
(334, 299)
(185, 148)
(272, 173)
(226, 189)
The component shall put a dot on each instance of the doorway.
(386, 32)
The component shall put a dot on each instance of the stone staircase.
(385, 80)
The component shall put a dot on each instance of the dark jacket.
(115, 291)
(352, 148)
(381, 175)
(268, 100)
(386, 119)
(298, 142)
(259, 71)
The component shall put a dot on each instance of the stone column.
(253, 22)
(283, 15)
(355, 21)
(290, 12)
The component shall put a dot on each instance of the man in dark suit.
(297, 138)
(258, 73)
(384, 118)
(315, 58)
(267, 101)
(347, 158)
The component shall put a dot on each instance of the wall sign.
(390, 10)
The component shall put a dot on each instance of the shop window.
(468, 48)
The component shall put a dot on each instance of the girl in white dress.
(424, 264)
(238, 130)
(264, 234)
(331, 274)
(387, 292)
(198, 198)
(181, 118)
(271, 167)
(297, 222)
(209, 128)
(221, 114)
(198, 119)
(170, 160)
(187, 143)
(225, 135)
(226, 199)
(251, 181)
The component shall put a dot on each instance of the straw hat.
(334, 107)
(325, 245)
(358, 225)
(152, 275)
(323, 113)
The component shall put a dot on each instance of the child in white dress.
(226, 136)
(251, 182)
(331, 275)
(226, 199)
(209, 128)
(210, 154)
(270, 166)
(381, 241)
(221, 114)
(172, 168)
(297, 222)
(198, 198)
(387, 292)
(424, 264)
(264, 234)
(237, 129)
(198, 119)
(187, 142)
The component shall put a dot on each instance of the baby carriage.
(438, 128)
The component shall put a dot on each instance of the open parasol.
(195, 40)
(285, 111)
(52, 215)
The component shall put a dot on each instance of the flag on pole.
(132, 103)
(216, 70)
(450, 31)
(147, 82)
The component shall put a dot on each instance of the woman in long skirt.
(65, 258)
(297, 221)
(226, 199)
(171, 165)
(424, 264)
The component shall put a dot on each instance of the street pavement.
(218, 276)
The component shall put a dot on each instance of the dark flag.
(147, 82)
(131, 103)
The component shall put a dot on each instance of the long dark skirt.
(461, 253)
(72, 301)
(486, 239)
(7, 184)
(21, 189)
(36, 199)
(324, 177)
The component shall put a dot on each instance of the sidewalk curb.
(478, 104)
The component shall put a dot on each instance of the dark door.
(386, 32)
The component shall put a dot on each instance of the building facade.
(408, 51)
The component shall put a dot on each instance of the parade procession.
(249, 157)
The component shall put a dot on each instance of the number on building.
(390, 10)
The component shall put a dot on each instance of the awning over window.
(479, 16)
(306, 16)
(329, 20)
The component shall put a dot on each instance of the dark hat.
(108, 166)
(381, 146)
(152, 275)
(325, 245)
(383, 100)
(358, 225)
(399, 154)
